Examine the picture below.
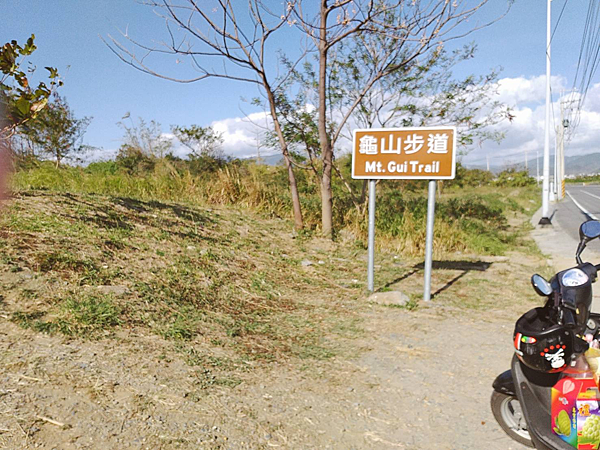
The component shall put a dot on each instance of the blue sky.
(68, 36)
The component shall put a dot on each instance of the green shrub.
(514, 178)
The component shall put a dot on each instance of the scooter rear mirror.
(541, 285)
(589, 230)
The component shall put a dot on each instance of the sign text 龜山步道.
(404, 153)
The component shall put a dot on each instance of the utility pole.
(526, 166)
(557, 160)
(537, 167)
(487, 157)
(258, 146)
(545, 220)
(564, 124)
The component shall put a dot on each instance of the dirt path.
(420, 380)
(425, 383)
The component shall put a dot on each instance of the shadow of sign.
(464, 267)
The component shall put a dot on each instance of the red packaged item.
(564, 407)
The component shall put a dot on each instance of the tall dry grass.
(467, 220)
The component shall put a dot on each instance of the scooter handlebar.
(568, 317)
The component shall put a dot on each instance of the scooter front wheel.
(508, 413)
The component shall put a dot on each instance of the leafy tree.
(423, 92)
(21, 101)
(514, 178)
(470, 177)
(375, 42)
(55, 131)
(202, 141)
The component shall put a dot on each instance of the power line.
(587, 63)
(558, 21)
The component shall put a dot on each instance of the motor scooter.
(521, 400)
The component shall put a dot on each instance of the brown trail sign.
(403, 154)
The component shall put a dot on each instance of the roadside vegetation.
(204, 250)
(584, 179)
(472, 209)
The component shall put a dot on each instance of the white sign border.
(403, 177)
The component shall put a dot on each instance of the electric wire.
(587, 65)
(558, 21)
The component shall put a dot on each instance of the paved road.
(581, 203)
(559, 242)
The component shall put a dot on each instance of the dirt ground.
(416, 380)
(417, 377)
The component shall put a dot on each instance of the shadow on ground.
(464, 267)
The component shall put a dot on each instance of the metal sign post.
(371, 264)
(423, 153)
(429, 239)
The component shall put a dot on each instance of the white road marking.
(583, 210)
(588, 193)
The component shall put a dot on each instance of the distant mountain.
(582, 164)
(270, 160)
(574, 165)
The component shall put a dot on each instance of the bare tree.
(235, 35)
(395, 34)
(239, 35)
(145, 138)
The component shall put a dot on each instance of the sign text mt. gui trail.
(404, 153)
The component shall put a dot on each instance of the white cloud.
(526, 132)
(243, 135)
(520, 91)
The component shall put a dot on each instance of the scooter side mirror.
(589, 230)
(541, 285)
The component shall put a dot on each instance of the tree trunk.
(298, 220)
(326, 149)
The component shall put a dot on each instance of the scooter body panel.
(535, 396)
(504, 383)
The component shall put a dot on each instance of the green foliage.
(466, 222)
(90, 313)
(514, 178)
(202, 141)
(23, 101)
(103, 168)
(143, 140)
(84, 316)
(584, 179)
(55, 131)
(470, 177)
(133, 160)
(471, 215)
